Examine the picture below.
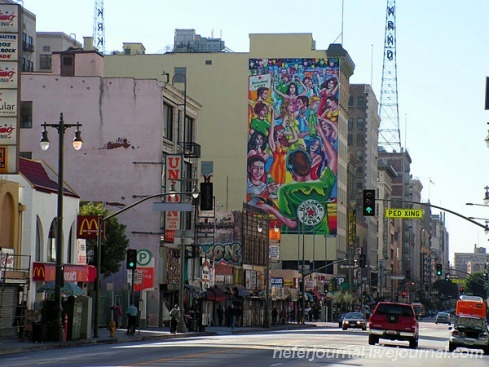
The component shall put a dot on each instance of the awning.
(194, 291)
(45, 272)
(215, 294)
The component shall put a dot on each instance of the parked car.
(443, 318)
(354, 320)
(393, 321)
(469, 332)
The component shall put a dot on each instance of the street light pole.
(59, 280)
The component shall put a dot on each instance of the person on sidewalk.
(132, 314)
(220, 314)
(233, 314)
(175, 316)
(274, 316)
(117, 314)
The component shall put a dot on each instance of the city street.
(319, 346)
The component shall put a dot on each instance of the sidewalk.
(12, 345)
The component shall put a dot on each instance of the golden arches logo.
(87, 226)
(38, 272)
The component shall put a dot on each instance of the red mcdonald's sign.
(45, 272)
(87, 226)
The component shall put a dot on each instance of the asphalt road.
(289, 348)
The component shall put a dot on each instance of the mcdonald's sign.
(88, 226)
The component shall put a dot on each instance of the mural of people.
(296, 111)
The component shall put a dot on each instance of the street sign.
(397, 277)
(403, 213)
(347, 266)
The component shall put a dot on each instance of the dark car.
(393, 321)
(443, 318)
(354, 320)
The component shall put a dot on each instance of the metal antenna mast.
(99, 26)
(389, 133)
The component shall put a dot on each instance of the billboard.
(292, 153)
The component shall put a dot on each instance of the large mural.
(292, 155)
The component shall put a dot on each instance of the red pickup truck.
(393, 321)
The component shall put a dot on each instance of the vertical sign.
(173, 176)
(10, 56)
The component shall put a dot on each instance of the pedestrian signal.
(368, 202)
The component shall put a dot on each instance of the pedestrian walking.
(233, 314)
(132, 314)
(220, 314)
(175, 316)
(117, 314)
(274, 316)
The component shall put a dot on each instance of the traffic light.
(447, 277)
(132, 260)
(439, 269)
(369, 202)
(462, 290)
(206, 196)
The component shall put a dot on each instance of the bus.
(419, 310)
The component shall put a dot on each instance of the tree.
(114, 243)
(477, 285)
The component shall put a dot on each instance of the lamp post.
(77, 144)
(172, 193)
(181, 323)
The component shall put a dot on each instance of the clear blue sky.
(442, 62)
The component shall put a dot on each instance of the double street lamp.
(77, 144)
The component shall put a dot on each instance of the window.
(189, 130)
(26, 114)
(360, 101)
(46, 48)
(350, 101)
(208, 62)
(67, 65)
(168, 121)
(45, 62)
(360, 140)
(350, 124)
(350, 140)
(360, 123)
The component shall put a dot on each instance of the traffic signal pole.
(486, 227)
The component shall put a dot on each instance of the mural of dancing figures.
(292, 154)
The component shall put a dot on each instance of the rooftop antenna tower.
(99, 26)
(389, 132)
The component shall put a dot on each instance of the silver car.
(443, 318)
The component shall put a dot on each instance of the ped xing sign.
(403, 213)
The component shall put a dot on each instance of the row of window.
(169, 124)
(360, 123)
(360, 101)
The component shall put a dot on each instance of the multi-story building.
(49, 42)
(227, 76)
(469, 263)
(132, 132)
(363, 127)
